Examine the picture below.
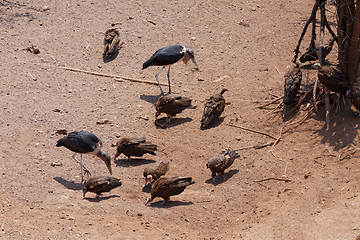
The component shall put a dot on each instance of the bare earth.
(245, 46)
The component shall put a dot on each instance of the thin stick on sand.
(117, 78)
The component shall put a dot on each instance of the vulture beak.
(84, 192)
(148, 200)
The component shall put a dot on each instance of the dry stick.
(109, 75)
(273, 178)
(255, 147)
(321, 60)
(314, 93)
(312, 16)
(272, 101)
(276, 141)
(117, 78)
(251, 130)
(301, 100)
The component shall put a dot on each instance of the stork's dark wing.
(165, 56)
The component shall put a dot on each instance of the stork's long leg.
(168, 75)
(82, 166)
(157, 79)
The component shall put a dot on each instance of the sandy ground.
(245, 46)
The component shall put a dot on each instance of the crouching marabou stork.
(167, 56)
(84, 142)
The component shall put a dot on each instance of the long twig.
(276, 141)
(103, 74)
(269, 103)
(255, 147)
(251, 130)
(273, 178)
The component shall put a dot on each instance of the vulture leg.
(165, 200)
(168, 119)
(157, 79)
(168, 75)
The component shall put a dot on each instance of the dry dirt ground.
(246, 46)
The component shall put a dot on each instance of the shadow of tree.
(69, 184)
(132, 162)
(343, 128)
(222, 178)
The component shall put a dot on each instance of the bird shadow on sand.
(99, 199)
(222, 178)
(69, 184)
(214, 124)
(149, 98)
(173, 123)
(170, 204)
(108, 59)
(132, 162)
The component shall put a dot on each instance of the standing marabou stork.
(167, 56)
(84, 142)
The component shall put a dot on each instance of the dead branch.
(273, 178)
(251, 130)
(117, 78)
(276, 141)
(255, 147)
(272, 101)
(311, 18)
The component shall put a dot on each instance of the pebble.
(46, 8)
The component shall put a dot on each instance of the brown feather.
(111, 41)
(100, 184)
(135, 147)
(222, 161)
(333, 79)
(156, 170)
(213, 108)
(171, 104)
(292, 84)
(165, 187)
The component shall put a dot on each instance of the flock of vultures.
(84, 142)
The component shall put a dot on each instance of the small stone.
(71, 218)
(45, 8)
(186, 220)
(139, 214)
(55, 164)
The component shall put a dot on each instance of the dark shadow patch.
(173, 123)
(214, 124)
(146, 189)
(344, 127)
(150, 98)
(110, 58)
(132, 162)
(69, 184)
(170, 204)
(99, 199)
(222, 177)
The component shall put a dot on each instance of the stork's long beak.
(108, 165)
(194, 61)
